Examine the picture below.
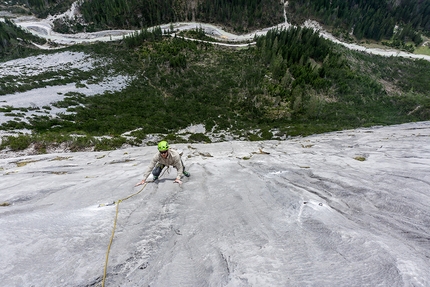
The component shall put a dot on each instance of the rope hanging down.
(113, 231)
(114, 226)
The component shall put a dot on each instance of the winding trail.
(43, 28)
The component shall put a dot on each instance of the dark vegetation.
(369, 19)
(291, 83)
(15, 42)
(43, 8)
(238, 15)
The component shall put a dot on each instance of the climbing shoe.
(187, 174)
(155, 178)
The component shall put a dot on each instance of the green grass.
(423, 50)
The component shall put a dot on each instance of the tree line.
(239, 15)
(42, 8)
(374, 19)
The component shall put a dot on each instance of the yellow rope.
(113, 231)
(114, 227)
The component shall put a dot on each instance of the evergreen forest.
(376, 19)
(237, 15)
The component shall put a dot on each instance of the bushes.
(173, 138)
(109, 143)
(15, 143)
(199, 137)
(43, 142)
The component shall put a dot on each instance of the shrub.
(254, 137)
(199, 137)
(16, 143)
(266, 134)
(139, 134)
(171, 138)
(81, 142)
(109, 144)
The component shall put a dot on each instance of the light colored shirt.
(173, 159)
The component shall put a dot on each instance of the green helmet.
(163, 146)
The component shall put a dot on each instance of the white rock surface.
(300, 212)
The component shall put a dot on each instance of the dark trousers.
(159, 167)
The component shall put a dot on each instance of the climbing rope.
(113, 230)
(114, 227)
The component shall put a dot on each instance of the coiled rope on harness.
(114, 227)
